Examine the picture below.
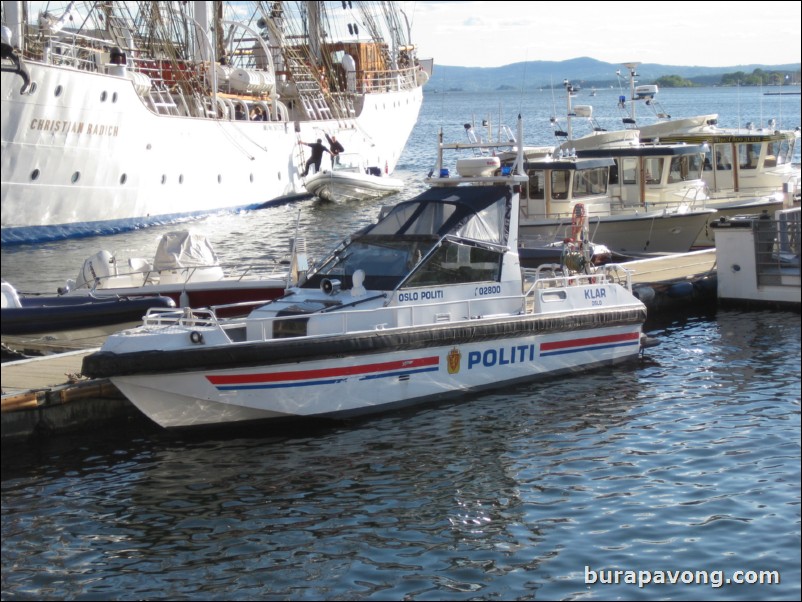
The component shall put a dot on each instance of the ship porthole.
(34, 174)
(279, 176)
(32, 89)
(219, 178)
(164, 179)
(181, 179)
(123, 179)
(103, 96)
(58, 90)
(75, 177)
(251, 178)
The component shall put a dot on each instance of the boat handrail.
(271, 268)
(549, 277)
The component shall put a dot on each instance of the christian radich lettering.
(74, 127)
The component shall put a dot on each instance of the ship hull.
(82, 154)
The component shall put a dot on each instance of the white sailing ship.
(119, 115)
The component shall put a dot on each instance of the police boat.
(429, 302)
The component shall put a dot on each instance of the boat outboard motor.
(98, 268)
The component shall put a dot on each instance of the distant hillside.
(583, 71)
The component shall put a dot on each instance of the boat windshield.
(385, 261)
(469, 225)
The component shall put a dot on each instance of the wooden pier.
(48, 395)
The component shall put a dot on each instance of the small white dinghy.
(351, 179)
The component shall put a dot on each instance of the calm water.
(687, 460)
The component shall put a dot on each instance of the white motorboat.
(427, 303)
(350, 178)
(740, 164)
(120, 115)
(186, 269)
(660, 173)
(557, 186)
(563, 187)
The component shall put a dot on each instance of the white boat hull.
(95, 159)
(651, 232)
(354, 385)
(429, 302)
(345, 186)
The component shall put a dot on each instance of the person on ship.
(318, 148)
(335, 147)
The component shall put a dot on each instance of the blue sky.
(710, 34)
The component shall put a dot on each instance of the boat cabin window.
(773, 158)
(456, 263)
(723, 156)
(778, 152)
(630, 171)
(560, 182)
(385, 262)
(748, 155)
(708, 159)
(589, 182)
(686, 167)
(652, 169)
(613, 179)
(537, 184)
(786, 152)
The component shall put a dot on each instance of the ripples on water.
(687, 460)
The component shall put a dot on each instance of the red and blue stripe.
(324, 376)
(590, 344)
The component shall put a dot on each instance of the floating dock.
(47, 395)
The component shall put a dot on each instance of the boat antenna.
(761, 102)
(520, 149)
(523, 80)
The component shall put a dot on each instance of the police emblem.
(453, 360)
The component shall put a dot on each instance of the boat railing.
(73, 50)
(187, 317)
(150, 276)
(352, 321)
(388, 80)
(553, 275)
(777, 247)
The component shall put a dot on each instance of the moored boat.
(121, 115)
(351, 179)
(429, 302)
(555, 188)
(65, 317)
(742, 163)
(186, 269)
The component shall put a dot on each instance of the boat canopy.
(184, 249)
(477, 213)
